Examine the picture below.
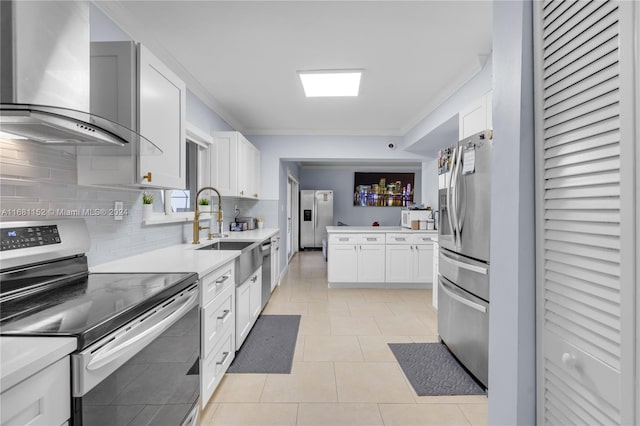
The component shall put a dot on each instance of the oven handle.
(105, 356)
(461, 299)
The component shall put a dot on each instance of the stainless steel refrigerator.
(463, 234)
(316, 213)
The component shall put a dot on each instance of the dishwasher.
(266, 271)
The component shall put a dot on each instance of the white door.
(423, 263)
(343, 264)
(585, 230)
(399, 263)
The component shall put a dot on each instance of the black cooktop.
(88, 307)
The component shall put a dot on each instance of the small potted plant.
(204, 205)
(260, 222)
(147, 205)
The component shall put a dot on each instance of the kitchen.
(512, 399)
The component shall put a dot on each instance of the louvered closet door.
(580, 232)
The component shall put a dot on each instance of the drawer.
(371, 238)
(215, 365)
(421, 239)
(343, 238)
(399, 238)
(217, 316)
(217, 281)
(42, 399)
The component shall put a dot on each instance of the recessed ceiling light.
(330, 82)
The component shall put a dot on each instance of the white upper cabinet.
(476, 117)
(235, 165)
(131, 86)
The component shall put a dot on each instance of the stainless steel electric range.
(138, 335)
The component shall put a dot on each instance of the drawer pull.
(401, 239)
(343, 239)
(222, 279)
(225, 314)
(225, 355)
(372, 239)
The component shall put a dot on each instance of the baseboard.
(387, 286)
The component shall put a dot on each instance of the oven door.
(147, 372)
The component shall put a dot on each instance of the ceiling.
(241, 57)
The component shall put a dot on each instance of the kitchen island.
(379, 257)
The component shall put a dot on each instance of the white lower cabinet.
(356, 258)
(218, 328)
(41, 399)
(409, 258)
(248, 305)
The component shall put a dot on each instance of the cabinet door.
(423, 263)
(371, 263)
(342, 263)
(161, 116)
(275, 265)
(224, 157)
(243, 168)
(255, 300)
(243, 312)
(399, 263)
(473, 118)
(255, 172)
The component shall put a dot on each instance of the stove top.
(87, 307)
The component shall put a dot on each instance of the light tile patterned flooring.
(343, 371)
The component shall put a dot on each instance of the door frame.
(293, 213)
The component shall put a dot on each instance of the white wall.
(340, 180)
(317, 148)
(512, 318)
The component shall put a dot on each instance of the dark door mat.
(269, 346)
(432, 370)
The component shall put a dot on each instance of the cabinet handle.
(225, 355)
(343, 239)
(241, 192)
(255, 195)
(371, 239)
(401, 239)
(225, 314)
(254, 279)
(360, 248)
(147, 176)
(417, 248)
(221, 280)
(411, 248)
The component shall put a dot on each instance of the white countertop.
(184, 257)
(21, 357)
(375, 229)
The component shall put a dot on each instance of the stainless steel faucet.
(196, 219)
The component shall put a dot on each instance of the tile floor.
(343, 371)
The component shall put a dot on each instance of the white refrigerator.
(316, 213)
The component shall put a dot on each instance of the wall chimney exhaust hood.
(63, 126)
(45, 78)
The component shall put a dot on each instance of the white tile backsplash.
(37, 176)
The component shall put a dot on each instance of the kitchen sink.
(228, 245)
(249, 260)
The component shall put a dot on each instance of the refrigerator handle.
(462, 192)
(463, 265)
(462, 300)
(449, 198)
(455, 195)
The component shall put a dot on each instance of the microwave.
(410, 215)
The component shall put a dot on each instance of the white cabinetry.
(409, 258)
(356, 258)
(218, 327)
(131, 86)
(42, 399)
(235, 165)
(476, 116)
(275, 262)
(248, 304)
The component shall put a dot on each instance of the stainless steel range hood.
(45, 77)
(63, 126)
